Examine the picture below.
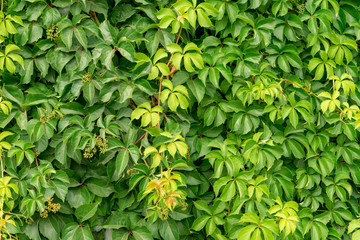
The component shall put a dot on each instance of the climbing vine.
(179, 119)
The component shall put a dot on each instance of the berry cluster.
(89, 152)
(87, 77)
(45, 117)
(101, 146)
(301, 8)
(52, 33)
(28, 220)
(50, 207)
(163, 212)
(131, 172)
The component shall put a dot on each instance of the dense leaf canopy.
(179, 119)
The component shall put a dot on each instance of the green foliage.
(179, 119)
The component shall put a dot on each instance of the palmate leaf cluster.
(179, 119)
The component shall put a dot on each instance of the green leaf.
(214, 77)
(89, 92)
(81, 36)
(250, 218)
(14, 94)
(228, 192)
(100, 187)
(75, 231)
(197, 88)
(168, 230)
(203, 19)
(164, 69)
(142, 233)
(67, 36)
(49, 227)
(51, 16)
(294, 118)
(200, 222)
(86, 211)
(127, 50)
(108, 32)
(245, 233)
(283, 63)
(201, 205)
(122, 161)
(173, 102)
(78, 196)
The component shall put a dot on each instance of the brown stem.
(153, 101)
(146, 163)
(144, 135)
(93, 14)
(2, 5)
(177, 41)
(162, 75)
(298, 85)
(36, 160)
(2, 166)
(160, 89)
(305, 89)
(132, 104)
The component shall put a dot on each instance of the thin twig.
(298, 85)
(168, 64)
(2, 166)
(36, 160)
(144, 135)
(305, 89)
(170, 59)
(132, 104)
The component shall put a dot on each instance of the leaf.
(164, 69)
(127, 51)
(228, 192)
(74, 231)
(142, 233)
(99, 187)
(61, 189)
(108, 32)
(200, 222)
(173, 102)
(50, 228)
(283, 63)
(214, 77)
(168, 229)
(51, 16)
(78, 196)
(14, 94)
(58, 59)
(67, 36)
(294, 118)
(250, 218)
(89, 92)
(245, 233)
(72, 108)
(201, 205)
(81, 36)
(116, 220)
(197, 88)
(122, 161)
(86, 211)
(203, 19)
